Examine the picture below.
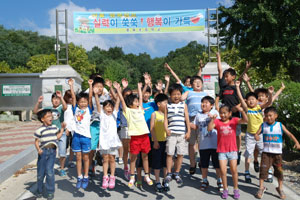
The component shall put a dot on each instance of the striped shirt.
(46, 135)
(176, 119)
(193, 102)
(272, 137)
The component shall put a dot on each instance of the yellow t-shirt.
(136, 122)
(159, 127)
(255, 119)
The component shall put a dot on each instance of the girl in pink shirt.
(227, 149)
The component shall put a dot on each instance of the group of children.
(158, 126)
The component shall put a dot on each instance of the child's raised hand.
(238, 108)
(246, 78)
(218, 55)
(71, 82)
(271, 89)
(90, 82)
(116, 85)
(201, 65)
(282, 85)
(108, 83)
(58, 94)
(167, 66)
(257, 137)
(248, 64)
(140, 85)
(237, 84)
(40, 99)
(167, 78)
(124, 82)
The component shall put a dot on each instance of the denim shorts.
(62, 146)
(228, 155)
(81, 143)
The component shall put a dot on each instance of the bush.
(288, 107)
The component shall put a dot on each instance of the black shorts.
(205, 156)
(159, 156)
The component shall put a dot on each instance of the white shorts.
(178, 142)
(250, 143)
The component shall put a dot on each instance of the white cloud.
(128, 42)
(226, 3)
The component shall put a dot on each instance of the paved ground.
(17, 139)
(65, 188)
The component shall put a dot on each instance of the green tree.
(265, 32)
(39, 63)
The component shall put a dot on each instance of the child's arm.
(291, 136)
(37, 146)
(61, 131)
(63, 103)
(184, 96)
(71, 84)
(201, 66)
(248, 65)
(187, 121)
(238, 89)
(247, 80)
(117, 86)
(258, 133)
(269, 103)
(152, 131)
(211, 125)
(117, 104)
(111, 90)
(140, 85)
(220, 70)
(36, 107)
(244, 119)
(167, 79)
(278, 92)
(96, 91)
(173, 73)
(217, 103)
(168, 131)
(90, 82)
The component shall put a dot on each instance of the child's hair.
(126, 90)
(209, 99)
(186, 78)
(108, 102)
(231, 71)
(94, 75)
(195, 78)
(130, 99)
(54, 95)
(82, 95)
(42, 113)
(98, 80)
(270, 109)
(251, 94)
(261, 90)
(225, 107)
(160, 97)
(67, 96)
(174, 87)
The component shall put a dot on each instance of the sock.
(205, 180)
(80, 177)
(85, 176)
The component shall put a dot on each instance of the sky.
(39, 15)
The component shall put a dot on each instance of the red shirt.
(226, 135)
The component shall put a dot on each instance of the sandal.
(204, 185)
(131, 181)
(148, 180)
(281, 193)
(260, 192)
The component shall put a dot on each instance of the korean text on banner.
(139, 22)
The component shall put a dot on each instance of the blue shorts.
(95, 130)
(62, 146)
(228, 156)
(81, 143)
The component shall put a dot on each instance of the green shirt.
(58, 115)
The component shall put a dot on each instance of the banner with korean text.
(139, 22)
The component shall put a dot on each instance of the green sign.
(58, 88)
(16, 90)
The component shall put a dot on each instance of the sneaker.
(256, 166)
(50, 196)
(192, 170)
(239, 158)
(85, 183)
(168, 178)
(225, 194)
(166, 186)
(178, 179)
(159, 187)
(247, 177)
(204, 185)
(236, 194)
(62, 172)
(220, 186)
(112, 182)
(79, 182)
(120, 161)
(38, 195)
(260, 192)
(126, 174)
(105, 182)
